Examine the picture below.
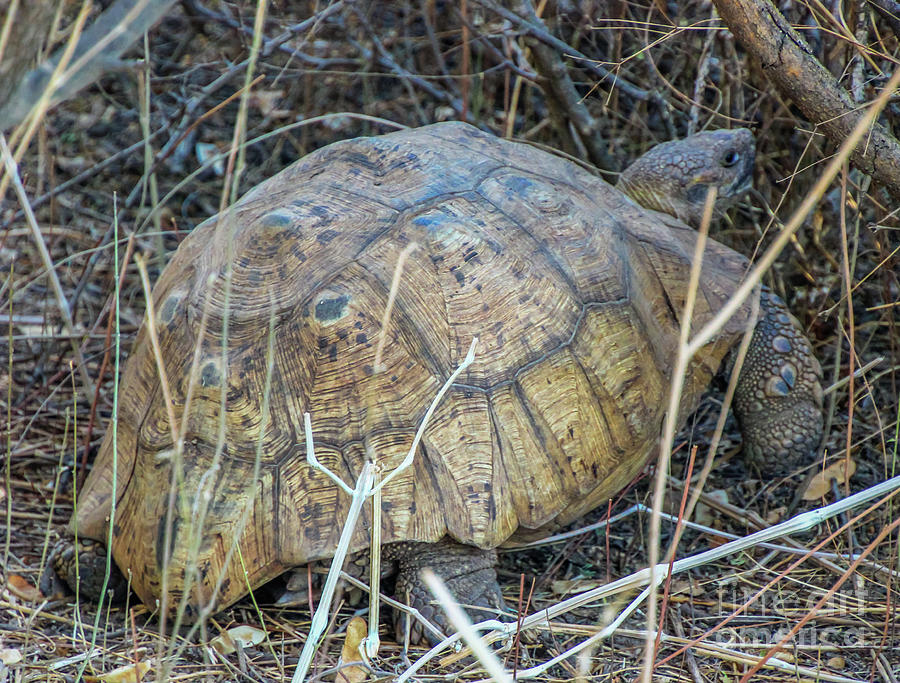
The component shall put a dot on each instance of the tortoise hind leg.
(82, 568)
(467, 571)
(778, 398)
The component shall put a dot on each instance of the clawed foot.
(468, 573)
(82, 568)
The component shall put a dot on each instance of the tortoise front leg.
(82, 568)
(468, 572)
(778, 398)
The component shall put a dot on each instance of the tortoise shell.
(574, 292)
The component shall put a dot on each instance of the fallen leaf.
(267, 100)
(350, 652)
(820, 484)
(206, 151)
(246, 636)
(23, 588)
(9, 656)
(569, 586)
(130, 673)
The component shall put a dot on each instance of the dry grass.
(832, 612)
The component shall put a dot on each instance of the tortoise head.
(674, 177)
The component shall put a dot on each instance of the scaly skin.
(673, 177)
(778, 398)
(468, 573)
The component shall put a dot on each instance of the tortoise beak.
(744, 181)
(743, 184)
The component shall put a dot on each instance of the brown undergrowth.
(330, 71)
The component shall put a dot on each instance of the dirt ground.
(142, 155)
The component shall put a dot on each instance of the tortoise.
(573, 289)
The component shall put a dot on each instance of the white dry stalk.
(320, 618)
(464, 627)
(392, 296)
(63, 303)
(702, 528)
(372, 642)
(859, 372)
(150, 326)
(114, 426)
(798, 524)
(467, 361)
(365, 487)
(672, 415)
(390, 602)
(728, 654)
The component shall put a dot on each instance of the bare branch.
(565, 103)
(791, 66)
(97, 52)
(889, 10)
(25, 29)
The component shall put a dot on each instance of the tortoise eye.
(731, 158)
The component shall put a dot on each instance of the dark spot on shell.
(343, 334)
(425, 221)
(361, 338)
(782, 344)
(333, 353)
(209, 375)
(329, 310)
(326, 236)
(277, 219)
(297, 252)
(460, 278)
(168, 310)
